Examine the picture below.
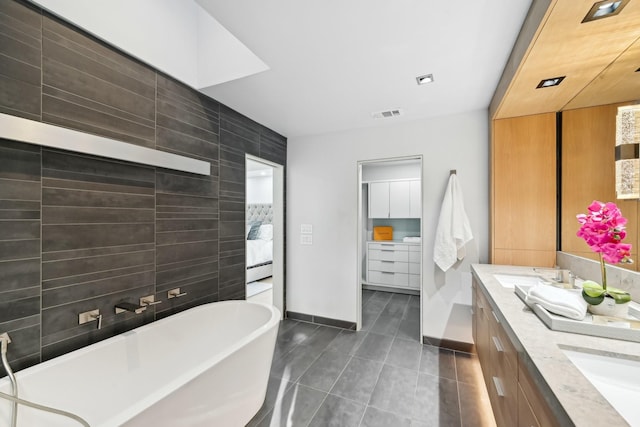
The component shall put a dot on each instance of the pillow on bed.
(266, 232)
(253, 232)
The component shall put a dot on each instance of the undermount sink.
(616, 378)
(511, 280)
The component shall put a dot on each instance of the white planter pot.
(608, 307)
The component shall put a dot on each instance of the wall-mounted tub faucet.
(123, 306)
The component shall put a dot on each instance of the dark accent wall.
(79, 232)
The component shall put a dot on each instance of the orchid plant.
(603, 229)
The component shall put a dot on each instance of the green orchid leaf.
(619, 296)
(593, 300)
(592, 289)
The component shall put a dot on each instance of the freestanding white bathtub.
(207, 366)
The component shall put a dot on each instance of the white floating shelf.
(46, 135)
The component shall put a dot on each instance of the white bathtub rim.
(190, 374)
(128, 413)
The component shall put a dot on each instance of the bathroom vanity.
(530, 379)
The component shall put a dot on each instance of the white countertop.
(574, 399)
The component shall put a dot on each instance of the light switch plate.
(306, 228)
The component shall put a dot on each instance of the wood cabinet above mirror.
(598, 58)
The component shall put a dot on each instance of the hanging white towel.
(454, 230)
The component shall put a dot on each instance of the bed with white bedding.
(259, 241)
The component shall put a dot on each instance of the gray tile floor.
(380, 376)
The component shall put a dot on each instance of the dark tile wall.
(78, 232)
(20, 249)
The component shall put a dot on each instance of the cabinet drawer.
(503, 392)
(414, 268)
(389, 266)
(388, 255)
(414, 257)
(384, 278)
(414, 281)
(503, 385)
(526, 416)
(535, 399)
(389, 246)
(500, 343)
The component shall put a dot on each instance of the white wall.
(408, 169)
(322, 191)
(260, 189)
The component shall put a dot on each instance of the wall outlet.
(306, 229)
(306, 239)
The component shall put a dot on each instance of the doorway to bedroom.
(264, 232)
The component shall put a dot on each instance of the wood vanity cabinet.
(514, 397)
(481, 329)
(539, 409)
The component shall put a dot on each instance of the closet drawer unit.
(388, 255)
(392, 279)
(414, 281)
(414, 268)
(389, 246)
(388, 266)
(414, 256)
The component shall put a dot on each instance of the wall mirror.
(589, 173)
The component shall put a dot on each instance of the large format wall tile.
(91, 88)
(79, 233)
(21, 52)
(238, 136)
(20, 249)
(96, 250)
(186, 205)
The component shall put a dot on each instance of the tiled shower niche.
(79, 232)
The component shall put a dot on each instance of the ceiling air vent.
(387, 114)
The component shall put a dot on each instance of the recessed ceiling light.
(554, 81)
(604, 9)
(427, 78)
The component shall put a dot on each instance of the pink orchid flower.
(603, 229)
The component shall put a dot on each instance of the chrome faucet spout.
(121, 307)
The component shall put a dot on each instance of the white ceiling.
(334, 62)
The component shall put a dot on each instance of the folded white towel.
(410, 239)
(454, 230)
(565, 302)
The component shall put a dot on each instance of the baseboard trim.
(449, 344)
(383, 288)
(321, 320)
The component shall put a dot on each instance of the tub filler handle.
(149, 301)
(175, 293)
(90, 316)
(123, 306)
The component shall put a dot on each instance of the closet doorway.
(264, 219)
(390, 246)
